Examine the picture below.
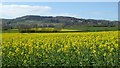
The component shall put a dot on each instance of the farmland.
(60, 49)
(62, 30)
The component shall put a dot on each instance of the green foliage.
(83, 28)
(74, 28)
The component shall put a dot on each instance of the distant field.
(60, 49)
(69, 30)
(92, 28)
(81, 29)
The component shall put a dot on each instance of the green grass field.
(92, 28)
(82, 29)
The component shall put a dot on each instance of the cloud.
(61, 14)
(13, 11)
(20, 10)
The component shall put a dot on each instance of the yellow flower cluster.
(62, 49)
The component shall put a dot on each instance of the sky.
(87, 10)
(60, 0)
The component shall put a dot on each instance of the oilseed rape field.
(60, 49)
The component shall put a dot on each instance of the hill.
(34, 21)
